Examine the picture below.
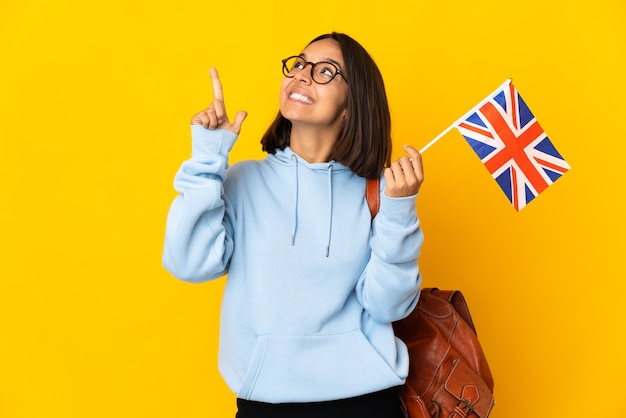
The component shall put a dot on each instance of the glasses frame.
(286, 71)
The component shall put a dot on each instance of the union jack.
(514, 148)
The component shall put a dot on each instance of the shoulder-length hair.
(364, 143)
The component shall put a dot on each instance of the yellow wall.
(95, 99)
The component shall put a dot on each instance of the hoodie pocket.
(314, 368)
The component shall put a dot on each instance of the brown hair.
(364, 143)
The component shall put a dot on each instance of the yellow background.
(95, 101)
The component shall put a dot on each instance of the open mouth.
(300, 98)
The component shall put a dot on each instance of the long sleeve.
(390, 286)
(198, 235)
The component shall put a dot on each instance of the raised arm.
(198, 237)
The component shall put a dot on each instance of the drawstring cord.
(295, 212)
(330, 206)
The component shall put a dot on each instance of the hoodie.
(313, 283)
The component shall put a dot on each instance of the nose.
(305, 75)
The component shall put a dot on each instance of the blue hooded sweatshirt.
(313, 284)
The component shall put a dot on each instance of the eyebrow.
(332, 61)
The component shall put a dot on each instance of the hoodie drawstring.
(294, 158)
(295, 212)
(330, 206)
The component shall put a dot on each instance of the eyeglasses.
(322, 72)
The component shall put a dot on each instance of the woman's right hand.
(215, 116)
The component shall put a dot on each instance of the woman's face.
(303, 101)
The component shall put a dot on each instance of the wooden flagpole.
(462, 118)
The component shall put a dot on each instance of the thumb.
(238, 121)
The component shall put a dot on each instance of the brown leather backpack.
(448, 371)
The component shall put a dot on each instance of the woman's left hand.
(405, 176)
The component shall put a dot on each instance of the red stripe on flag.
(514, 147)
(551, 166)
(513, 105)
(475, 129)
(514, 193)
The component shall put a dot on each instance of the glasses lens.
(292, 64)
(324, 72)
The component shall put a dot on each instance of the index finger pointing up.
(217, 85)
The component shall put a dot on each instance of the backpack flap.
(471, 393)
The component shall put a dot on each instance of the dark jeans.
(383, 404)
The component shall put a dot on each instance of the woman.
(313, 283)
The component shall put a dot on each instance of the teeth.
(299, 97)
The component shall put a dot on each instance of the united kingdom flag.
(509, 141)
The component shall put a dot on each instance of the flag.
(507, 138)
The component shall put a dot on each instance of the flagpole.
(462, 118)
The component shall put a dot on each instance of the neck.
(312, 144)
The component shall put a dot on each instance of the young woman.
(313, 283)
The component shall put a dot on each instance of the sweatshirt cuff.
(401, 210)
(211, 141)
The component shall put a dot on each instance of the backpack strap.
(372, 195)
